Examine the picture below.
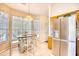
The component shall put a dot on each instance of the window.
(27, 26)
(20, 25)
(16, 27)
(3, 27)
(37, 27)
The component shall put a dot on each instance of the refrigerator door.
(63, 28)
(72, 28)
(72, 35)
(63, 36)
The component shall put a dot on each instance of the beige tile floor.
(40, 50)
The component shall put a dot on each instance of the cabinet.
(55, 48)
(49, 42)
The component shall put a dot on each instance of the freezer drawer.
(63, 48)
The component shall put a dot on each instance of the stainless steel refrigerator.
(65, 43)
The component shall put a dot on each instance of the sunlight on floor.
(41, 50)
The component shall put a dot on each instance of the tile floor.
(40, 50)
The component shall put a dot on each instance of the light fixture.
(28, 16)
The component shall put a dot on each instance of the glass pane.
(22, 43)
(4, 34)
(0, 36)
(37, 27)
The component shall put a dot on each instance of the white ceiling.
(35, 8)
